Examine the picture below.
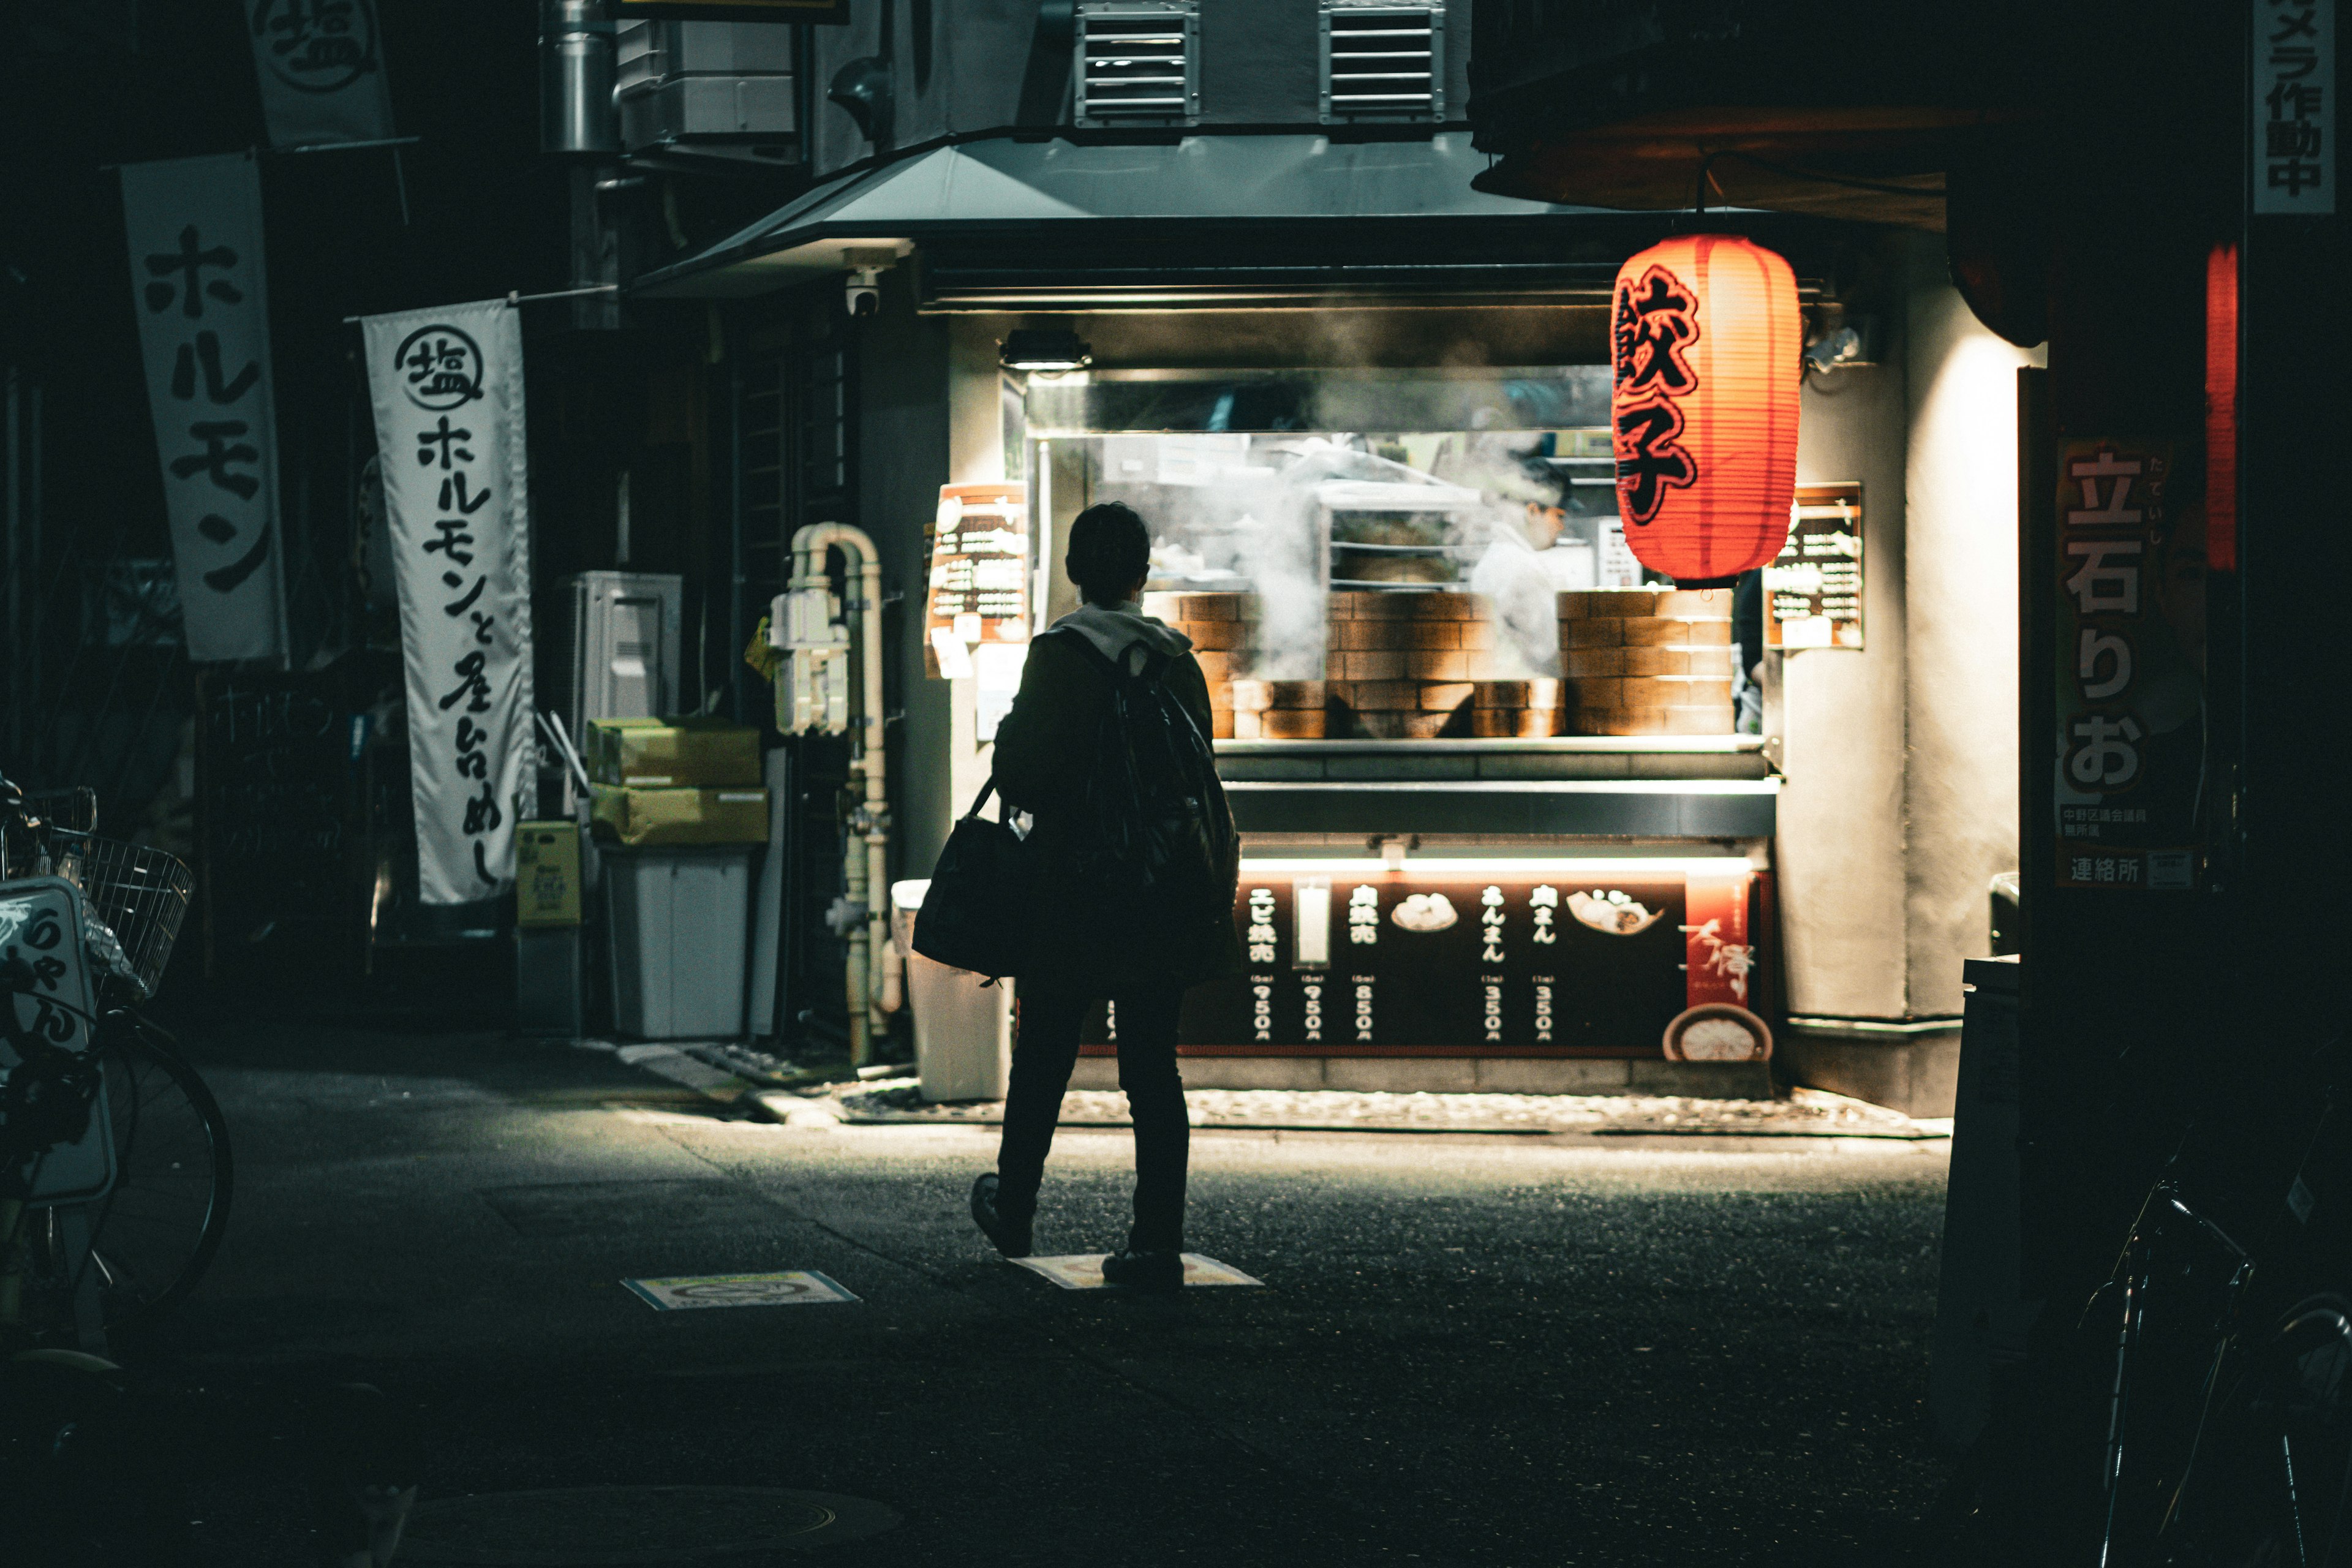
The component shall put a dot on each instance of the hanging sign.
(447, 389)
(978, 575)
(2294, 107)
(194, 227)
(322, 68)
(2132, 786)
(1570, 961)
(1704, 334)
(1813, 589)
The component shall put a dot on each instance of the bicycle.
(2211, 1375)
(115, 1164)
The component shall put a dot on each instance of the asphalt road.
(1486, 1351)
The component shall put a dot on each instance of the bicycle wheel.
(153, 1235)
(2273, 1473)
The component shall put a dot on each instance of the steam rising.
(1244, 513)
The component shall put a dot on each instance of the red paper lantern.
(1704, 340)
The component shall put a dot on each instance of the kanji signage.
(321, 65)
(978, 575)
(1558, 961)
(1813, 589)
(198, 291)
(2130, 581)
(2294, 107)
(1704, 335)
(448, 387)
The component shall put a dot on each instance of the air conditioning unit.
(1383, 61)
(1138, 63)
(720, 89)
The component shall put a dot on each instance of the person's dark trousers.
(1044, 1055)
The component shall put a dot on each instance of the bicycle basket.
(142, 894)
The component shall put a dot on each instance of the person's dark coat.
(1046, 748)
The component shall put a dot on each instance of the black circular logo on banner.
(440, 368)
(316, 45)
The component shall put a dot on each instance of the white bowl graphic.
(1425, 912)
(1611, 911)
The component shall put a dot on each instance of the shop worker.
(1057, 753)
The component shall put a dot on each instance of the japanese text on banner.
(2131, 790)
(197, 286)
(447, 389)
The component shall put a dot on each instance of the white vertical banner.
(2294, 107)
(322, 68)
(447, 389)
(198, 288)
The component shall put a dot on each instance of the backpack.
(1152, 842)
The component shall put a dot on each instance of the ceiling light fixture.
(1044, 350)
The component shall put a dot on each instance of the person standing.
(1102, 660)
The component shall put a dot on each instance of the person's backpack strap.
(981, 798)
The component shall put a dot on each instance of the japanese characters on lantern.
(1704, 336)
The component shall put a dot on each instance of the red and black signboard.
(1569, 962)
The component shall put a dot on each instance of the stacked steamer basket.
(1648, 661)
(1413, 666)
(1397, 666)
(1226, 636)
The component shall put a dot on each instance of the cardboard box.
(547, 874)
(647, 817)
(672, 754)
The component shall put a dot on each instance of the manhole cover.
(577, 1527)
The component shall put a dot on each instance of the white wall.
(1840, 851)
(1960, 799)
(1901, 799)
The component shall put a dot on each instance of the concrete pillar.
(1901, 799)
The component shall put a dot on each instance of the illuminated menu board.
(1571, 962)
(979, 576)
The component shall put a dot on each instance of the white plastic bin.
(680, 922)
(963, 1028)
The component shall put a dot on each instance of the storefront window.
(1299, 507)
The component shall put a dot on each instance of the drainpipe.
(872, 981)
(576, 74)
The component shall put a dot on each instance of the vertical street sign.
(198, 289)
(2133, 786)
(2293, 107)
(448, 387)
(320, 64)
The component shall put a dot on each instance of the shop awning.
(1009, 225)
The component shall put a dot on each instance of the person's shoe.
(1152, 1272)
(1009, 1235)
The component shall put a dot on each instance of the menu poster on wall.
(2133, 791)
(1567, 962)
(979, 587)
(1815, 586)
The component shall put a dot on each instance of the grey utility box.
(681, 923)
(715, 88)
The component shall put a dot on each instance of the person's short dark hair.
(1110, 547)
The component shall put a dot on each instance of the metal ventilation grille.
(1138, 63)
(1383, 61)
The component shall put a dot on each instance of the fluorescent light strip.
(1436, 865)
(1509, 787)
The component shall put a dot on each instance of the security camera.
(863, 291)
